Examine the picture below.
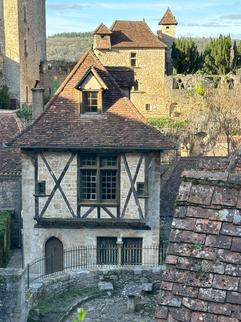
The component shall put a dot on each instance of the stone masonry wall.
(10, 199)
(149, 73)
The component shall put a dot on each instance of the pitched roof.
(134, 34)
(102, 30)
(202, 277)
(10, 161)
(119, 126)
(168, 18)
(124, 76)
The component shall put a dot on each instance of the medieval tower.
(22, 45)
(167, 34)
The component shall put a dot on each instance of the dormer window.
(90, 102)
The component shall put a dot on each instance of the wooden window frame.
(99, 201)
(84, 107)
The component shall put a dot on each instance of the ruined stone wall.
(149, 73)
(10, 199)
(34, 246)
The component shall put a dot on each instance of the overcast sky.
(196, 18)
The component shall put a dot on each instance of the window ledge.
(98, 204)
(140, 92)
(41, 195)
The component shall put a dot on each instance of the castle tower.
(167, 34)
(24, 28)
(102, 38)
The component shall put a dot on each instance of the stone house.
(22, 45)
(131, 45)
(10, 174)
(90, 167)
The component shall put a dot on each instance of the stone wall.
(12, 296)
(10, 199)
(149, 73)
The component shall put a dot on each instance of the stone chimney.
(38, 100)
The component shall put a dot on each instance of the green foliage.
(25, 113)
(168, 123)
(4, 98)
(185, 55)
(200, 90)
(5, 221)
(217, 56)
(72, 35)
(81, 314)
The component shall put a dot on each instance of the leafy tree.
(185, 55)
(217, 56)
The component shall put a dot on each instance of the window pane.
(88, 184)
(88, 161)
(108, 184)
(108, 161)
(90, 102)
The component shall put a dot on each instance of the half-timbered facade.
(90, 167)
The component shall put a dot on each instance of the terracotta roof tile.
(102, 30)
(134, 34)
(119, 126)
(10, 162)
(168, 18)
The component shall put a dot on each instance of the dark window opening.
(107, 251)
(141, 189)
(25, 47)
(148, 107)
(98, 178)
(41, 188)
(24, 14)
(136, 85)
(133, 60)
(90, 102)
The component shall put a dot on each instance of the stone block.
(201, 195)
(105, 286)
(229, 257)
(147, 287)
(186, 224)
(221, 309)
(195, 304)
(166, 286)
(203, 317)
(187, 237)
(186, 291)
(225, 196)
(168, 299)
(213, 267)
(161, 312)
(236, 244)
(184, 191)
(234, 298)
(181, 314)
(234, 270)
(231, 230)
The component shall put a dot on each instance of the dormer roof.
(102, 30)
(120, 126)
(92, 70)
(168, 18)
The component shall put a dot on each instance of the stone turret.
(102, 38)
(167, 34)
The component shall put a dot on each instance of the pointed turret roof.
(168, 18)
(102, 30)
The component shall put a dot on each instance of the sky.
(202, 18)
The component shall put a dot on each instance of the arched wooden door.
(54, 255)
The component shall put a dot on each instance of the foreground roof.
(168, 18)
(203, 266)
(119, 126)
(134, 34)
(10, 161)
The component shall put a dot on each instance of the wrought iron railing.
(91, 258)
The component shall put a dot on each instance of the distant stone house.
(90, 167)
(10, 174)
(132, 46)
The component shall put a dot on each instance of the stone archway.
(54, 255)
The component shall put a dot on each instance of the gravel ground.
(114, 309)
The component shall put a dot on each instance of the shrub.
(25, 113)
(200, 90)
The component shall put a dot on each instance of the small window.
(167, 27)
(136, 85)
(41, 188)
(133, 60)
(141, 189)
(148, 107)
(24, 14)
(90, 102)
(25, 47)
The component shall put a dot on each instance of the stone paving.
(112, 309)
